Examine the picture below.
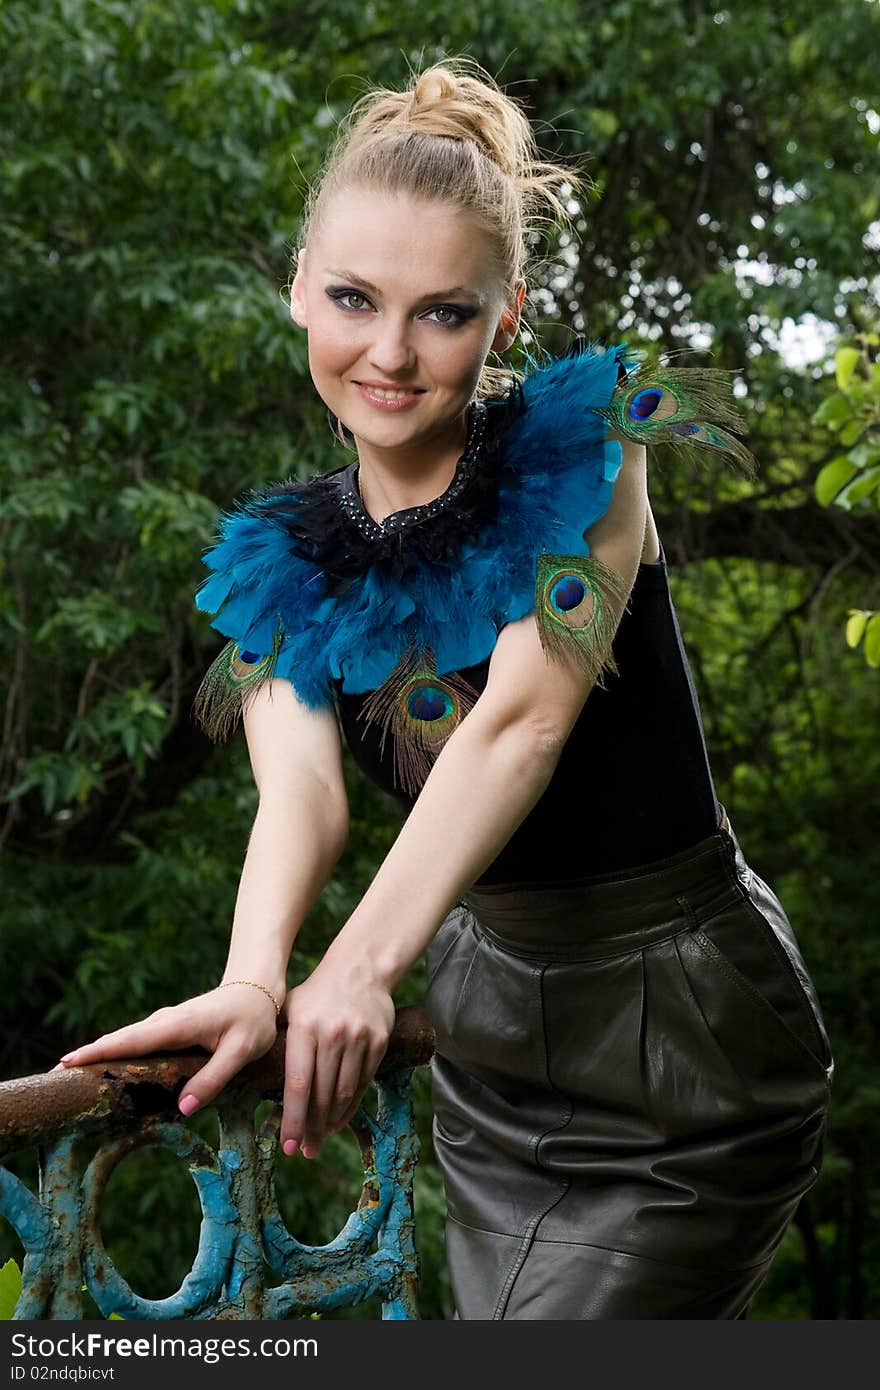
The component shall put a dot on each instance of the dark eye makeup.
(457, 313)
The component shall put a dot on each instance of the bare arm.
(299, 832)
(489, 774)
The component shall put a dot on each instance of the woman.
(632, 1072)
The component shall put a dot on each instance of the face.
(403, 300)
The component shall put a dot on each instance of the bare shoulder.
(632, 483)
(523, 685)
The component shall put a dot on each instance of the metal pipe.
(90, 1098)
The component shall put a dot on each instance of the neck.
(391, 480)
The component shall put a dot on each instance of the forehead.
(401, 243)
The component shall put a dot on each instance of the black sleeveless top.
(633, 782)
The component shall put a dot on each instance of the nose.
(391, 351)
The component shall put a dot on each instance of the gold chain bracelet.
(266, 991)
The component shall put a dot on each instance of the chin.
(376, 427)
(383, 437)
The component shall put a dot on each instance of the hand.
(237, 1024)
(339, 1021)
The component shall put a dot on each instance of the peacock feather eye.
(651, 403)
(429, 702)
(573, 613)
(419, 710)
(569, 595)
(685, 406)
(643, 404)
(243, 664)
(703, 434)
(231, 680)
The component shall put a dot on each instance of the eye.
(341, 296)
(452, 315)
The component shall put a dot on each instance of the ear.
(508, 323)
(298, 291)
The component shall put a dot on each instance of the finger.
(346, 1119)
(233, 1052)
(299, 1066)
(372, 1057)
(327, 1061)
(150, 1035)
(348, 1083)
(367, 1073)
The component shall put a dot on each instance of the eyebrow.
(438, 294)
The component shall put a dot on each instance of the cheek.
(330, 346)
(457, 357)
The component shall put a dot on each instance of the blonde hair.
(453, 136)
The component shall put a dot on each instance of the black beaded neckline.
(372, 530)
(327, 522)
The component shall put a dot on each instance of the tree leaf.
(845, 362)
(10, 1289)
(872, 641)
(833, 411)
(852, 431)
(833, 478)
(862, 485)
(855, 625)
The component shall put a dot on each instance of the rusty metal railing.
(132, 1104)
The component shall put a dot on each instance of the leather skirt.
(630, 1087)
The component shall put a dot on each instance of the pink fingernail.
(67, 1056)
(187, 1104)
(290, 1147)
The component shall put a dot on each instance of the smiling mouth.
(390, 393)
(389, 400)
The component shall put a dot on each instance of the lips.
(384, 397)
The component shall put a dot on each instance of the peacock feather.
(229, 683)
(574, 615)
(419, 709)
(683, 406)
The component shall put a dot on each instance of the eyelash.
(460, 315)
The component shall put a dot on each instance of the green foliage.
(154, 162)
(10, 1292)
(853, 413)
(10, 1289)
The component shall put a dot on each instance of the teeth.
(386, 394)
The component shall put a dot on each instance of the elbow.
(341, 825)
(545, 737)
(538, 736)
(331, 805)
(325, 806)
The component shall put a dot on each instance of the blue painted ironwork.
(242, 1230)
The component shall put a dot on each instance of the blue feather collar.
(348, 614)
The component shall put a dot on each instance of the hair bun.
(450, 100)
(432, 87)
